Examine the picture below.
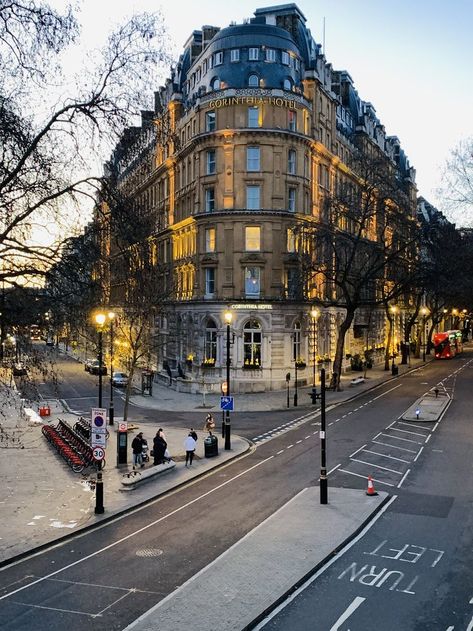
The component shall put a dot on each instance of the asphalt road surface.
(106, 578)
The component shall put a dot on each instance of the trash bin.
(210, 446)
(313, 395)
(394, 370)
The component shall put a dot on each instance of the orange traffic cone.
(370, 490)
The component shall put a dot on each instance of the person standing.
(193, 433)
(159, 447)
(137, 447)
(189, 445)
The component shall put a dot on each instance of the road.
(108, 577)
(412, 570)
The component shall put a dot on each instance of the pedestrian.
(189, 446)
(137, 447)
(209, 424)
(159, 447)
(193, 433)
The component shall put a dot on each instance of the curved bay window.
(252, 339)
(210, 344)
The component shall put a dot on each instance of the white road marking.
(377, 442)
(355, 452)
(435, 426)
(428, 438)
(335, 467)
(407, 440)
(307, 437)
(426, 429)
(376, 453)
(280, 452)
(418, 453)
(377, 466)
(407, 431)
(470, 625)
(403, 478)
(364, 477)
(298, 441)
(136, 532)
(347, 613)
(289, 446)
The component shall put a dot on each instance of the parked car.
(87, 364)
(120, 379)
(95, 368)
(19, 370)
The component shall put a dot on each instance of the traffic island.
(132, 479)
(428, 408)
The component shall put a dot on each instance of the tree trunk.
(337, 362)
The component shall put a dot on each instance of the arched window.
(296, 341)
(215, 84)
(287, 85)
(210, 343)
(252, 338)
(253, 81)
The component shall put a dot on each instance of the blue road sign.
(226, 403)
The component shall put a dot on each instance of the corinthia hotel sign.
(252, 307)
(253, 100)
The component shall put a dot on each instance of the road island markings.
(347, 613)
(403, 478)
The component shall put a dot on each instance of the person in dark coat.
(159, 447)
(137, 447)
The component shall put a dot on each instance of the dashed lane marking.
(418, 453)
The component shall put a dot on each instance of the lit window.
(252, 338)
(210, 243)
(253, 238)
(218, 59)
(211, 162)
(209, 200)
(291, 161)
(291, 200)
(292, 120)
(210, 121)
(253, 116)
(253, 81)
(270, 54)
(285, 58)
(291, 240)
(252, 158)
(235, 54)
(253, 54)
(209, 281)
(252, 282)
(253, 198)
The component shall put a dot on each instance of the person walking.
(159, 447)
(189, 445)
(209, 424)
(137, 447)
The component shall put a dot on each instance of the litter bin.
(210, 446)
(313, 395)
(394, 370)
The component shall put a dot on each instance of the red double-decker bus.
(448, 344)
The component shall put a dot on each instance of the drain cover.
(149, 552)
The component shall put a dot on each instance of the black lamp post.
(424, 313)
(228, 319)
(99, 507)
(295, 385)
(111, 414)
(393, 336)
(314, 314)
(323, 446)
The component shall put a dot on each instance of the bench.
(357, 380)
(132, 479)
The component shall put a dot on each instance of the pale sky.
(410, 59)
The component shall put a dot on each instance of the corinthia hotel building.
(245, 140)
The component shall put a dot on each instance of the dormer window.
(215, 84)
(253, 81)
(287, 85)
(253, 54)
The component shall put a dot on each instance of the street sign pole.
(323, 454)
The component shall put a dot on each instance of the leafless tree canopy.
(56, 126)
(457, 186)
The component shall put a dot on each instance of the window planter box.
(251, 367)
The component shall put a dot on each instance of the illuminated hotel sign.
(253, 100)
(252, 307)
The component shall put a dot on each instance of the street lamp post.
(295, 384)
(323, 447)
(228, 319)
(315, 314)
(111, 414)
(393, 338)
(99, 507)
(424, 335)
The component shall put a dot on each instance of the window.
(252, 158)
(285, 58)
(210, 345)
(291, 200)
(218, 58)
(253, 198)
(296, 341)
(253, 116)
(235, 54)
(215, 84)
(211, 162)
(252, 282)
(292, 120)
(253, 81)
(292, 283)
(209, 200)
(253, 54)
(252, 238)
(209, 281)
(204, 67)
(323, 176)
(210, 240)
(252, 344)
(210, 121)
(291, 161)
(287, 85)
(270, 54)
(290, 240)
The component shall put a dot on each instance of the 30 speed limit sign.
(98, 453)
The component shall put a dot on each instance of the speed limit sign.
(98, 453)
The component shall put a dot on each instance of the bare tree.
(53, 125)
(457, 185)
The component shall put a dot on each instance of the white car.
(120, 379)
